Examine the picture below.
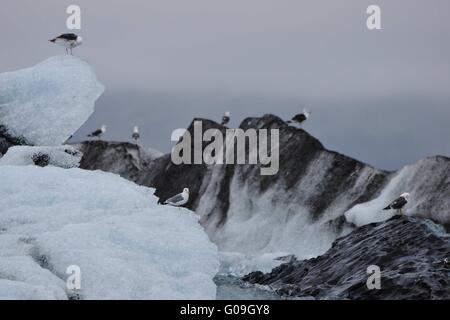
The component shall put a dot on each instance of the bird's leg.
(67, 51)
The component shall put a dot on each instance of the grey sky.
(380, 96)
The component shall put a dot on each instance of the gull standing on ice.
(136, 134)
(68, 41)
(98, 133)
(225, 118)
(179, 199)
(398, 203)
(300, 118)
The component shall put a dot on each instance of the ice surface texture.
(62, 156)
(45, 104)
(126, 245)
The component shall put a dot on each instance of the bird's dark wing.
(397, 203)
(96, 132)
(68, 36)
(299, 117)
(175, 199)
(225, 120)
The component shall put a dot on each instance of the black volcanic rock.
(129, 160)
(413, 255)
(299, 152)
(173, 178)
(315, 197)
(7, 141)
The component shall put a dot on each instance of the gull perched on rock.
(98, 133)
(298, 119)
(179, 199)
(225, 118)
(398, 203)
(136, 134)
(68, 41)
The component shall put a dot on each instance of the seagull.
(136, 134)
(98, 133)
(179, 199)
(68, 41)
(398, 203)
(300, 118)
(225, 118)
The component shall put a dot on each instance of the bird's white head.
(186, 190)
(79, 40)
(136, 129)
(103, 128)
(405, 195)
(307, 113)
(227, 113)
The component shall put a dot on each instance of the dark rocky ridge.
(314, 186)
(174, 177)
(128, 160)
(298, 150)
(413, 255)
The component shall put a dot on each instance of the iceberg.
(126, 246)
(47, 103)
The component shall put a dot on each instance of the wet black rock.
(413, 255)
(314, 187)
(173, 178)
(299, 153)
(7, 141)
(129, 160)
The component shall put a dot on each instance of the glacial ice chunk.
(126, 246)
(47, 103)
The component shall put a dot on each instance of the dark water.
(233, 288)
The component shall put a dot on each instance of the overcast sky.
(380, 96)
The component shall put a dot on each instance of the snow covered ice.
(62, 156)
(126, 245)
(47, 103)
